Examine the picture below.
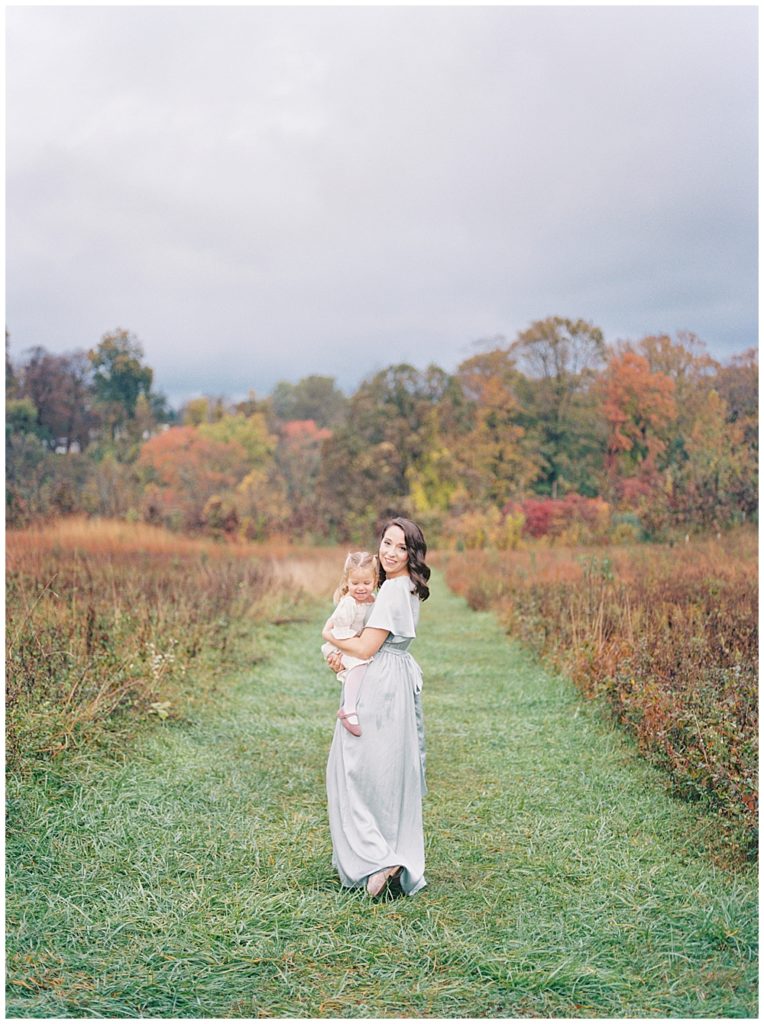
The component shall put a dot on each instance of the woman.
(375, 782)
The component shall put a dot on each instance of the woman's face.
(393, 553)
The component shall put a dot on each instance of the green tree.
(119, 377)
(558, 359)
(712, 483)
(388, 440)
(312, 398)
(21, 417)
(250, 432)
(10, 370)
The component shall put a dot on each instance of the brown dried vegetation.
(105, 619)
(668, 636)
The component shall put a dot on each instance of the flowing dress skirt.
(375, 781)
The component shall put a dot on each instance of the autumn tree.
(205, 409)
(298, 458)
(711, 482)
(356, 481)
(262, 503)
(638, 405)
(250, 432)
(712, 445)
(312, 398)
(558, 359)
(385, 447)
(195, 412)
(494, 461)
(252, 404)
(181, 469)
(119, 377)
(60, 388)
(737, 382)
(685, 361)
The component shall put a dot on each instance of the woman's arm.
(363, 646)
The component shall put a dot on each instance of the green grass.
(191, 877)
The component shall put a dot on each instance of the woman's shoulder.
(398, 590)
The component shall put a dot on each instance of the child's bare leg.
(348, 712)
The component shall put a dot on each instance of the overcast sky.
(259, 194)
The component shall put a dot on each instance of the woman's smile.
(393, 552)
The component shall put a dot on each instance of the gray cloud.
(264, 193)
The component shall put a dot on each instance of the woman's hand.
(334, 661)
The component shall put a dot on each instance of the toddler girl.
(354, 598)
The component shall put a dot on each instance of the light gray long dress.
(375, 781)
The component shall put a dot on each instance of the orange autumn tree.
(298, 458)
(181, 470)
(638, 405)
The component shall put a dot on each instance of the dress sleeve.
(392, 609)
(342, 619)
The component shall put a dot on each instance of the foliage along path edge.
(192, 877)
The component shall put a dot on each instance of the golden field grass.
(108, 622)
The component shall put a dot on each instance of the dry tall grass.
(667, 635)
(104, 620)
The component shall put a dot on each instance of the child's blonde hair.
(356, 560)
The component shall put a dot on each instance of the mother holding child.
(375, 775)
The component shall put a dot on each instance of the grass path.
(193, 878)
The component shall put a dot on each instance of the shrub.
(668, 636)
(572, 519)
(104, 620)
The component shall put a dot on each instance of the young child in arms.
(354, 598)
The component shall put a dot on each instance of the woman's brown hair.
(416, 547)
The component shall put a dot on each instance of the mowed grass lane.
(193, 878)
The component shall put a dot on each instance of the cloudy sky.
(263, 193)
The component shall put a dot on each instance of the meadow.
(663, 637)
(105, 621)
(184, 870)
(168, 722)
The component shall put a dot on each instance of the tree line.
(555, 433)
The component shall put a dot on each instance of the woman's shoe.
(379, 879)
(351, 727)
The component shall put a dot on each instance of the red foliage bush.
(551, 517)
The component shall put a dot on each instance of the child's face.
(361, 584)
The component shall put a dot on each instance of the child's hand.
(327, 633)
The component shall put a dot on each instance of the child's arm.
(363, 646)
(342, 620)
